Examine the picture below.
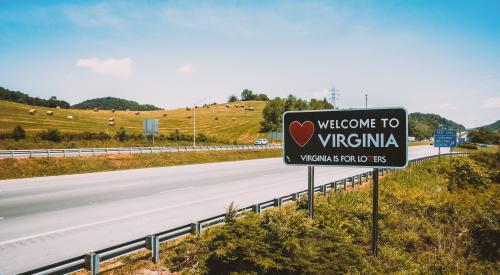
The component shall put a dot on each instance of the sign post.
(376, 138)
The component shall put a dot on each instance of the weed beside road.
(37, 167)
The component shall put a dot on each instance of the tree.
(484, 135)
(262, 97)
(52, 135)
(248, 95)
(272, 115)
(18, 133)
(232, 98)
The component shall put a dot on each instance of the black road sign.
(354, 137)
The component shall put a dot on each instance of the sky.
(428, 56)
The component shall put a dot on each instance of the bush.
(468, 145)
(121, 135)
(467, 173)
(486, 236)
(18, 133)
(52, 135)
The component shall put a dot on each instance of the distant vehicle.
(261, 141)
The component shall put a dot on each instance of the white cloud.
(492, 103)
(120, 67)
(187, 69)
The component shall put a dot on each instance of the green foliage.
(51, 135)
(247, 95)
(468, 145)
(484, 135)
(232, 98)
(108, 103)
(422, 126)
(495, 126)
(231, 213)
(19, 97)
(486, 236)
(467, 173)
(18, 133)
(121, 135)
(274, 109)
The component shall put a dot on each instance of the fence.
(92, 260)
(125, 150)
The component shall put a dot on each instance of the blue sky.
(429, 56)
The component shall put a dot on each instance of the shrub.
(18, 133)
(121, 134)
(468, 145)
(466, 172)
(52, 135)
(486, 235)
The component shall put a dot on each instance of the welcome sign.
(353, 137)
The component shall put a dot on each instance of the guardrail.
(80, 152)
(91, 261)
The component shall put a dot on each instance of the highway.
(49, 219)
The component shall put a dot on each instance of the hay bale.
(137, 113)
(50, 113)
(216, 118)
(227, 106)
(164, 115)
(128, 110)
(189, 109)
(96, 110)
(58, 107)
(189, 116)
(249, 108)
(234, 119)
(113, 110)
(111, 119)
(111, 123)
(33, 111)
(69, 117)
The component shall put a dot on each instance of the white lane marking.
(133, 215)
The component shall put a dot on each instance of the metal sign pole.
(310, 190)
(375, 212)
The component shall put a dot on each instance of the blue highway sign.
(445, 138)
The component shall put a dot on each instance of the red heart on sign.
(301, 133)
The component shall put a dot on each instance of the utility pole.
(366, 100)
(334, 96)
(194, 125)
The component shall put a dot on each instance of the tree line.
(108, 103)
(19, 97)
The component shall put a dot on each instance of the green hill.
(19, 97)
(422, 125)
(108, 103)
(495, 126)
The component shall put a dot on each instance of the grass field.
(38, 167)
(244, 129)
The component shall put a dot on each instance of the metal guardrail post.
(31, 153)
(196, 228)
(353, 181)
(153, 244)
(48, 153)
(93, 151)
(324, 189)
(335, 185)
(64, 152)
(344, 181)
(295, 196)
(256, 208)
(106, 150)
(92, 263)
(277, 202)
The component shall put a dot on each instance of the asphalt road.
(49, 219)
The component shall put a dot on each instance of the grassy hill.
(423, 125)
(108, 103)
(495, 126)
(243, 129)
